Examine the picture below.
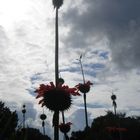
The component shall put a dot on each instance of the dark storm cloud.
(118, 21)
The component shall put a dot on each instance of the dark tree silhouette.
(8, 121)
(111, 127)
(30, 134)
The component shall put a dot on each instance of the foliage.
(30, 134)
(8, 121)
(98, 129)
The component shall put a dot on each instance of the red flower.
(113, 129)
(56, 98)
(84, 88)
(65, 128)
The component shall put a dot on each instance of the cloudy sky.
(105, 32)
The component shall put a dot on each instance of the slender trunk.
(86, 116)
(56, 113)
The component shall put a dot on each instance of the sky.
(105, 32)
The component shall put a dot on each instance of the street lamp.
(113, 97)
(23, 112)
(43, 117)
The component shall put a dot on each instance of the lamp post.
(113, 97)
(23, 112)
(43, 117)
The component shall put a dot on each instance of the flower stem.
(56, 113)
(86, 116)
(63, 118)
(56, 123)
(85, 104)
(82, 70)
(56, 48)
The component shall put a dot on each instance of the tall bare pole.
(57, 4)
(56, 49)
(56, 113)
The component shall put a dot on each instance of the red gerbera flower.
(56, 98)
(65, 128)
(84, 88)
